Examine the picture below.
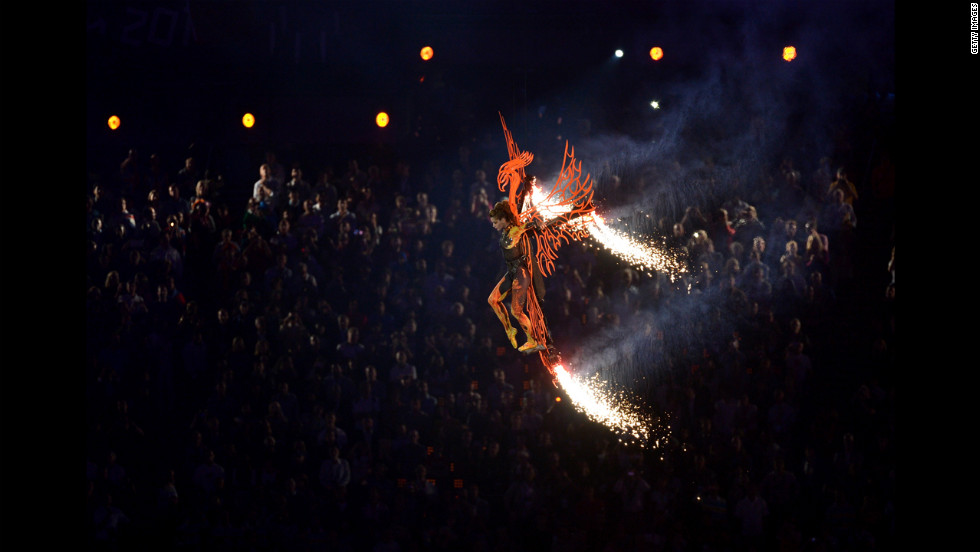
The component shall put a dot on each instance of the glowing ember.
(613, 409)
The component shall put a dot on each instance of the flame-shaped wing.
(560, 215)
(552, 218)
(511, 173)
(563, 213)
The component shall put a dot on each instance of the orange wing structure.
(511, 173)
(568, 208)
(558, 216)
(561, 215)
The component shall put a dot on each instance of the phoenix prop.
(541, 222)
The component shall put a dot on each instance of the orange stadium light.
(789, 53)
(114, 122)
(426, 53)
(382, 119)
(248, 120)
(656, 53)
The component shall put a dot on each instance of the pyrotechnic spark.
(646, 256)
(643, 255)
(615, 409)
(547, 204)
(596, 398)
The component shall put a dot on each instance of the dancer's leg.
(519, 309)
(496, 301)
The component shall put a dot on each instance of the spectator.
(336, 219)
(836, 213)
(123, 216)
(297, 183)
(110, 524)
(351, 349)
(334, 471)
(257, 252)
(310, 219)
(791, 254)
(844, 185)
(720, 230)
(291, 206)
(266, 188)
(188, 176)
(174, 203)
(228, 261)
(781, 416)
(817, 252)
(694, 221)
(208, 473)
(285, 241)
(751, 513)
(402, 372)
(748, 229)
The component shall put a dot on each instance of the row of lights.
(657, 53)
(248, 120)
(382, 119)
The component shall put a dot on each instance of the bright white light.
(655, 104)
(619, 53)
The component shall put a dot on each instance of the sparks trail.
(644, 254)
(614, 408)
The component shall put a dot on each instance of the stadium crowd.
(308, 362)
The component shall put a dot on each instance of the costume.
(537, 223)
(517, 281)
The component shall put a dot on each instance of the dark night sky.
(183, 71)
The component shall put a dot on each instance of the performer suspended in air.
(518, 280)
(531, 231)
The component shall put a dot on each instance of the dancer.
(517, 280)
(533, 224)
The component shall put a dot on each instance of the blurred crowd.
(308, 362)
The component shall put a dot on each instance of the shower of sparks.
(615, 409)
(645, 256)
